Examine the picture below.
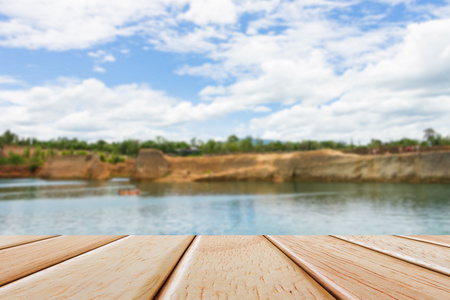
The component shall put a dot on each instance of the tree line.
(113, 151)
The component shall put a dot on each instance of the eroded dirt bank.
(322, 165)
(12, 171)
(83, 167)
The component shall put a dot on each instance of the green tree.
(26, 153)
(259, 145)
(51, 152)
(209, 147)
(429, 134)
(232, 139)
(246, 145)
(9, 137)
(374, 143)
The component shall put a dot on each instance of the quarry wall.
(74, 167)
(321, 165)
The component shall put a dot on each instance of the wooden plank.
(354, 272)
(134, 267)
(7, 241)
(23, 260)
(429, 256)
(442, 240)
(238, 267)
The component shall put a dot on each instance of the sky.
(343, 70)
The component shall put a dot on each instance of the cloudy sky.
(289, 70)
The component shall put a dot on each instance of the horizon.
(276, 70)
(430, 138)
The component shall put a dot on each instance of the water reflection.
(88, 207)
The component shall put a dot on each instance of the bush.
(34, 164)
(36, 160)
(16, 159)
(116, 159)
(51, 152)
(81, 153)
(26, 152)
(13, 159)
(102, 157)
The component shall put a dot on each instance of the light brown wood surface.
(427, 255)
(131, 268)
(25, 259)
(238, 267)
(442, 240)
(7, 241)
(354, 272)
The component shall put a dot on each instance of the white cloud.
(9, 80)
(203, 12)
(210, 91)
(100, 57)
(213, 71)
(96, 54)
(359, 117)
(197, 40)
(108, 58)
(62, 25)
(91, 110)
(395, 97)
(98, 69)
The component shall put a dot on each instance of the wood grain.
(23, 260)
(442, 240)
(354, 272)
(7, 241)
(239, 267)
(131, 268)
(427, 255)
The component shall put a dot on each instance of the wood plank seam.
(328, 284)
(29, 242)
(422, 240)
(133, 268)
(363, 273)
(157, 295)
(52, 265)
(404, 258)
(239, 267)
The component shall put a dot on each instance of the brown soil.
(322, 165)
(12, 171)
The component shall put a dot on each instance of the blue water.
(33, 206)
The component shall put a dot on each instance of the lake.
(34, 206)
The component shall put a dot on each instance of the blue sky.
(289, 70)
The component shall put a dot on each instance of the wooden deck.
(225, 267)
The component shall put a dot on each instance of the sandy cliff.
(12, 171)
(322, 165)
(123, 169)
(75, 167)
